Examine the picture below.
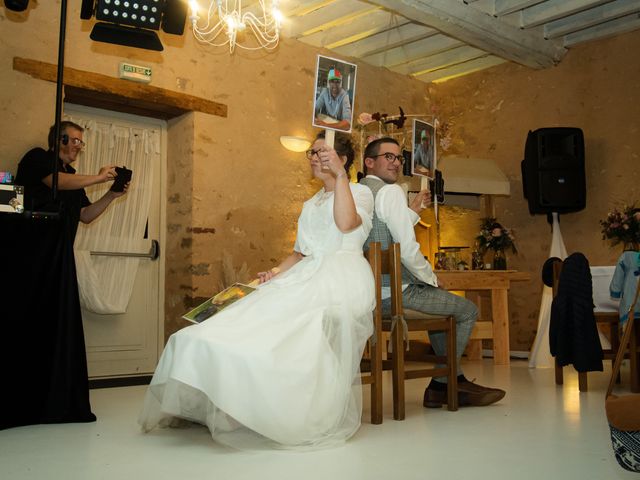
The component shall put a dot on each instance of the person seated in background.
(393, 222)
(625, 281)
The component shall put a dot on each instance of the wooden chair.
(610, 319)
(631, 338)
(396, 324)
(633, 330)
(622, 410)
(371, 365)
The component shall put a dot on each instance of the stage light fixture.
(134, 22)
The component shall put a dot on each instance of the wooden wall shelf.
(101, 91)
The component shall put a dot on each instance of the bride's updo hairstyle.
(343, 147)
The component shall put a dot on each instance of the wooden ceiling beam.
(481, 30)
(465, 68)
(553, 9)
(590, 18)
(618, 26)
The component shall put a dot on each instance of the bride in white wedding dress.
(281, 366)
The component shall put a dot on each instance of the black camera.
(124, 176)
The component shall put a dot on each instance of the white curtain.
(106, 282)
(540, 356)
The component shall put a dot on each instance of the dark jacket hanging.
(573, 335)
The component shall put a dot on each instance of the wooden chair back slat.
(392, 265)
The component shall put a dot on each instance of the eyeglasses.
(390, 157)
(311, 152)
(76, 142)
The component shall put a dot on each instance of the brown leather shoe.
(469, 395)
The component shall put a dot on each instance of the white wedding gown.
(281, 365)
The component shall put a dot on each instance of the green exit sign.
(136, 73)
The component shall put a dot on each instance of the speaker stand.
(540, 354)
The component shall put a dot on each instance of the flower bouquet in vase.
(493, 236)
(622, 226)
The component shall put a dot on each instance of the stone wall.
(488, 114)
(233, 192)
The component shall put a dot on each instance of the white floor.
(539, 431)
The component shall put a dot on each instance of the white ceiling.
(436, 40)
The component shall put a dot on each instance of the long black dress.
(42, 347)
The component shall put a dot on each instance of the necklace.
(322, 197)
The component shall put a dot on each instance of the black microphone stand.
(59, 84)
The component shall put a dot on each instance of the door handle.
(153, 254)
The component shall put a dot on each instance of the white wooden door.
(129, 344)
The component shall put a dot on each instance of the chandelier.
(225, 23)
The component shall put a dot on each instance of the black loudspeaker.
(175, 14)
(553, 170)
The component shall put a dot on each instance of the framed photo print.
(423, 158)
(334, 93)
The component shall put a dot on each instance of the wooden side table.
(498, 283)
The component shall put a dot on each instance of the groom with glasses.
(393, 222)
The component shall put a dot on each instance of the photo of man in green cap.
(332, 107)
(423, 150)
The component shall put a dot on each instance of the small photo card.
(423, 159)
(334, 94)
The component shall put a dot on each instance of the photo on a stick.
(334, 93)
(423, 158)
